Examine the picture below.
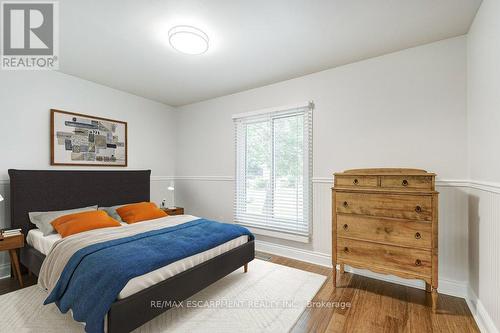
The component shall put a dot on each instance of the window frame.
(241, 121)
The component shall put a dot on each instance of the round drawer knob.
(346, 227)
(418, 262)
(404, 182)
(417, 235)
(418, 209)
(346, 204)
(346, 249)
(355, 181)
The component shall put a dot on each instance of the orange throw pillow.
(79, 222)
(138, 212)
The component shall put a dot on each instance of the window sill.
(278, 234)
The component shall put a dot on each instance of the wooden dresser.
(386, 221)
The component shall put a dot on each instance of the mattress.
(44, 244)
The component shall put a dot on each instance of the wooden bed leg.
(245, 268)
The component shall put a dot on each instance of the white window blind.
(274, 168)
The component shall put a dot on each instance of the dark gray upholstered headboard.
(44, 190)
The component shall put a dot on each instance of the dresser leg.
(245, 268)
(434, 295)
(334, 275)
(428, 287)
(342, 269)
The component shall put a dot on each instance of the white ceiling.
(123, 43)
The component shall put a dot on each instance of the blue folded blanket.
(95, 275)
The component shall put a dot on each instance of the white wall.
(484, 93)
(27, 96)
(25, 100)
(484, 139)
(406, 109)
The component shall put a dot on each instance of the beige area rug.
(269, 298)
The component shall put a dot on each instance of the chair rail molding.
(476, 184)
(206, 178)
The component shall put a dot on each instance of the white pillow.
(42, 220)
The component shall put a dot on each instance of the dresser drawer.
(405, 233)
(384, 257)
(413, 207)
(356, 181)
(409, 182)
(12, 242)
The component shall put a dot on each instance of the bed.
(58, 190)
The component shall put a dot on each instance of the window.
(273, 169)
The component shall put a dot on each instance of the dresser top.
(385, 172)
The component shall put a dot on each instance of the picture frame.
(78, 139)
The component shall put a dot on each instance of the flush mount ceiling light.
(188, 39)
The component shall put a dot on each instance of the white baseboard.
(481, 316)
(294, 253)
(446, 286)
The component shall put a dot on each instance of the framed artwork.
(79, 139)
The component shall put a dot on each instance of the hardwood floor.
(375, 306)
(10, 284)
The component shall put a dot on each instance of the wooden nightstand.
(174, 211)
(11, 244)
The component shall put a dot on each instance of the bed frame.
(41, 190)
